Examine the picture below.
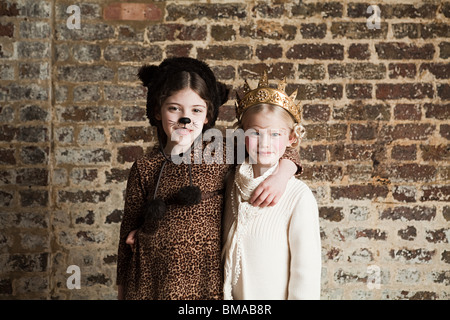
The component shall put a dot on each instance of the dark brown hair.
(176, 74)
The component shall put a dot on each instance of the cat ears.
(223, 93)
(147, 74)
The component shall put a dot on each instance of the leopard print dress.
(179, 256)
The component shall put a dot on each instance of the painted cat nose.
(184, 120)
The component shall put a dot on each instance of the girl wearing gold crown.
(273, 252)
(170, 236)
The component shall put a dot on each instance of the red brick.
(357, 70)
(443, 91)
(436, 193)
(7, 156)
(313, 30)
(351, 152)
(390, 11)
(9, 10)
(332, 132)
(435, 153)
(404, 152)
(129, 153)
(357, 30)
(404, 90)
(437, 236)
(311, 71)
(91, 196)
(407, 112)
(223, 33)
(212, 11)
(437, 111)
(266, 10)
(407, 131)
(404, 193)
(444, 49)
(359, 192)
(358, 91)
(416, 213)
(277, 71)
(401, 50)
(375, 234)
(409, 233)
(32, 177)
(359, 51)
(319, 91)
(416, 255)
(7, 30)
(179, 50)
(274, 31)
(363, 131)
(316, 112)
(335, 214)
(435, 30)
(328, 173)
(439, 70)
(227, 113)
(360, 111)
(313, 153)
(216, 52)
(402, 70)
(270, 51)
(316, 51)
(320, 9)
(411, 172)
(167, 32)
(444, 131)
(133, 11)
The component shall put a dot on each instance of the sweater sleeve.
(132, 219)
(305, 249)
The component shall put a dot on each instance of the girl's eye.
(254, 133)
(172, 108)
(275, 134)
(197, 110)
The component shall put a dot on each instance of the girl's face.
(185, 104)
(267, 137)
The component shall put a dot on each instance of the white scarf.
(243, 186)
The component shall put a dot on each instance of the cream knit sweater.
(275, 252)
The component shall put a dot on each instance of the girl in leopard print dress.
(173, 210)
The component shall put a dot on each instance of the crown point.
(293, 95)
(282, 84)
(263, 82)
(246, 87)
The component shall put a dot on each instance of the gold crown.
(265, 94)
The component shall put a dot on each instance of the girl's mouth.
(265, 153)
(183, 131)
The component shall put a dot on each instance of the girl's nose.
(184, 120)
(264, 139)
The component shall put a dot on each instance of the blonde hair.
(297, 130)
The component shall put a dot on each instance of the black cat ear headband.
(154, 77)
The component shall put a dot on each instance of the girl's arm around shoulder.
(269, 192)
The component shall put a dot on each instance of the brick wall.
(375, 103)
